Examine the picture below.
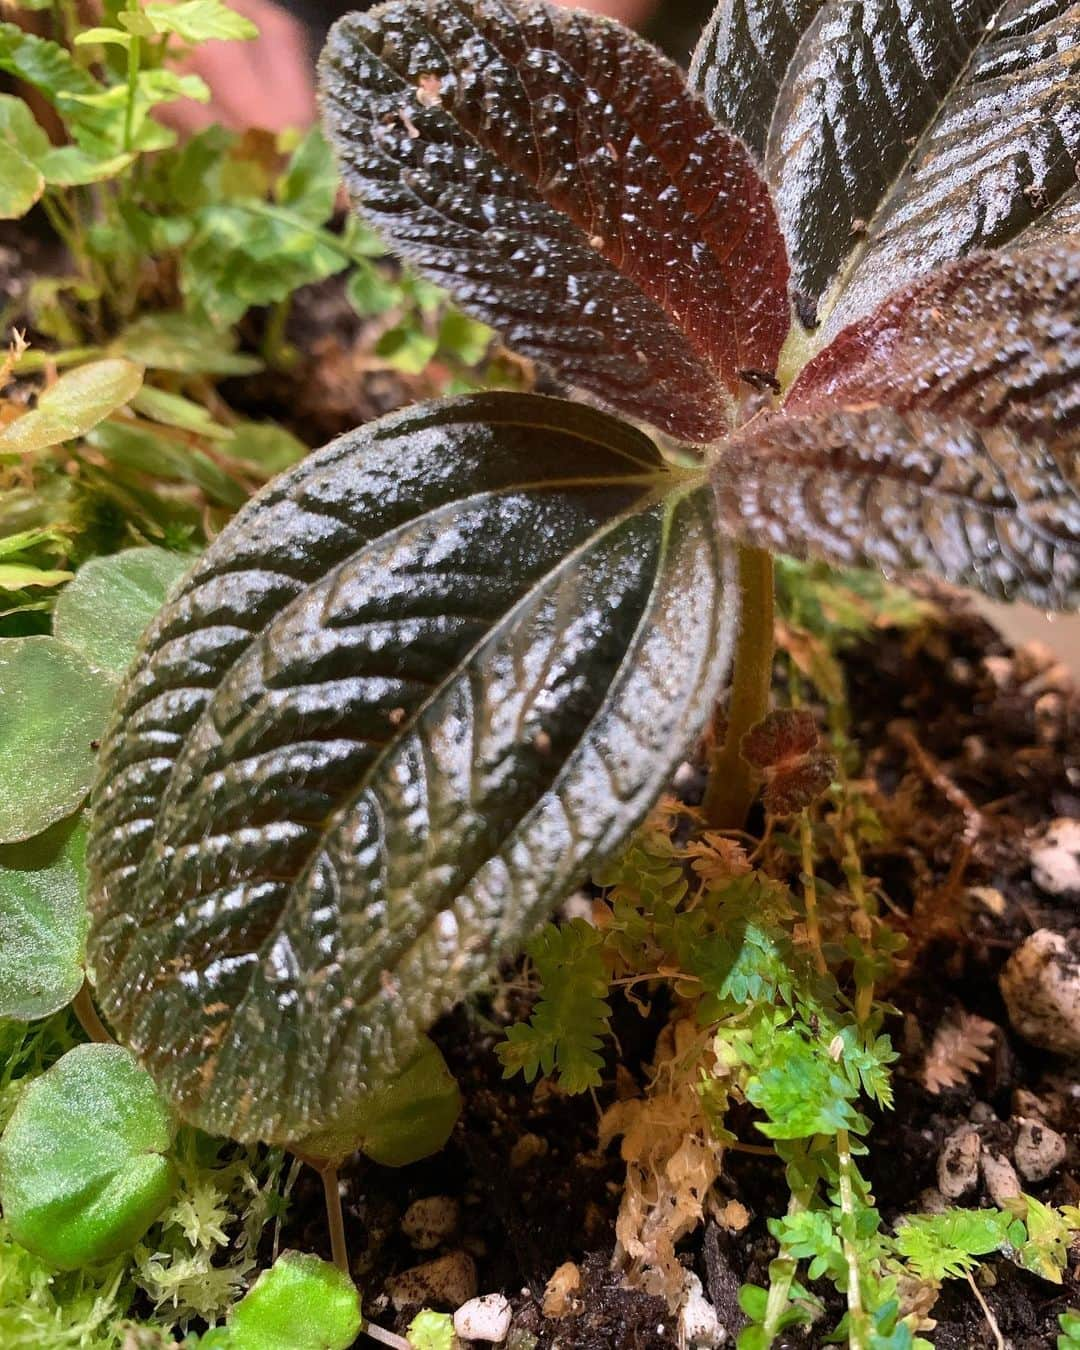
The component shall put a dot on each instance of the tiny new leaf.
(554, 172)
(300, 1303)
(421, 685)
(82, 1171)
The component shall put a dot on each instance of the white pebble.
(1041, 987)
(699, 1326)
(486, 1318)
(1055, 859)
(958, 1163)
(1039, 1150)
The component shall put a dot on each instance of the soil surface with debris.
(974, 749)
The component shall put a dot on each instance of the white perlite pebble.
(1039, 1150)
(484, 1319)
(958, 1163)
(1000, 1177)
(1041, 988)
(1055, 859)
(699, 1326)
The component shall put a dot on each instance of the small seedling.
(300, 1303)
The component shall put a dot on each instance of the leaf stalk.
(732, 788)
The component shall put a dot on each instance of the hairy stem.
(731, 787)
(82, 1005)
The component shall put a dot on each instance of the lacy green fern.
(947, 1246)
(568, 1025)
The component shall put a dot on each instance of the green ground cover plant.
(436, 676)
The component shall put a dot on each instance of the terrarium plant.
(434, 676)
(430, 678)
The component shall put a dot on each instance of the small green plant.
(103, 1178)
(300, 1303)
(1070, 1330)
(431, 1331)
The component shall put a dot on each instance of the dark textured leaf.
(742, 58)
(908, 491)
(415, 691)
(554, 172)
(994, 339)
(902, 134)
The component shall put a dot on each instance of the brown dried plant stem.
(82, 1005)
(731, 787)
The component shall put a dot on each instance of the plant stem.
(991, 1320)
(731, 787)
(327, 1169)
(134, 58)
(781, 1277)
(809, 881)
(275, 347)
(385, 1337)
(856, 1312)
(82, 1005)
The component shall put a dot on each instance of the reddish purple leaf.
(992, 338)
(785, 748)
(553, 171)
(907, 492)
(786, 733)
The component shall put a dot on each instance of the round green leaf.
(105, 610)
(21, 183)
(300, 1303)
(418, 689)
(398, 1124)
(53, 706)
(74, 405)
(82, 1174)
(43, 922)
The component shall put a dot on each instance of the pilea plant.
(434, 675)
